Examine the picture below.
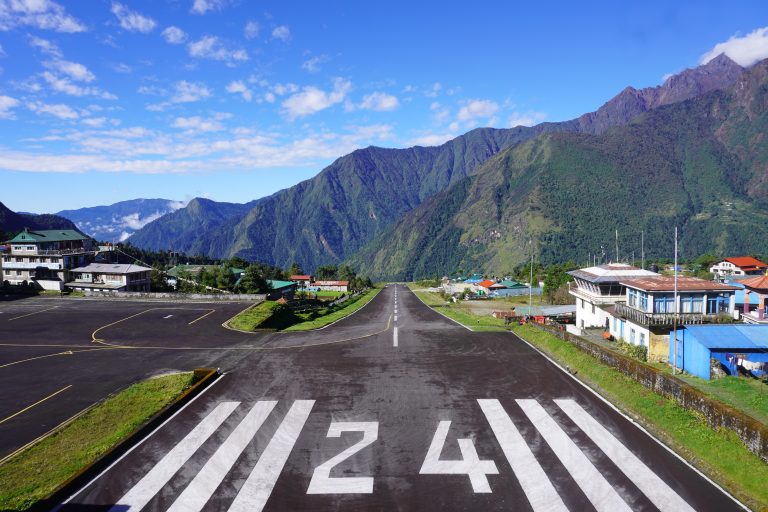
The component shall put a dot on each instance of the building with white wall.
(44, 259)
(597, 288)
(111, 277)
(740, 266)
(649, 305)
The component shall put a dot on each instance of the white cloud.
(132, 21)
(251, 29)
(60, 111)
(744, 50)
(476, 109)
(282, 33)
(188, 92)
(210, 47)
(174, 35)
(525, 118)
(313, 64)
(431, 139)
(198, 124)
(94, 122)
(203, 6)
(2, 51)
(65, 86)
(122, 68)
(434, 90)
(239, 87)
(45, 46)
(379, 102)
(42, 14)
(312, 99)
(6, 105)
(73, 70)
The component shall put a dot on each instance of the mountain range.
(680, 153)
(116, 222)
(11, 222)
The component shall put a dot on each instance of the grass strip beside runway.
(456, 312)
(38, 470)
(718, 453)
(330, 315)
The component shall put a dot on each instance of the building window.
(593, 309)
(663, 303)
(632, 335)
(642, 338)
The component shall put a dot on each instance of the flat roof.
(112, 268)
(729, 337)
(610, 273)
(684, 284)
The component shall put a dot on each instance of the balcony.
(14, 265)
(52, 252)
(639, 317)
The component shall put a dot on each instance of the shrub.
(637, 351)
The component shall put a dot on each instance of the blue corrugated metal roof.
(728, 337)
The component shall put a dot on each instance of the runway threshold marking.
(258, 487)
(660, 494)
(205, 483)
(141, 493)
(35, 404)
(30, 314)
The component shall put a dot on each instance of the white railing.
(14, 265)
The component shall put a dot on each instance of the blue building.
(731, 345)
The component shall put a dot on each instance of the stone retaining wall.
(753, 433)
(173, 296)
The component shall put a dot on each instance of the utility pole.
(642, 248)
(674, 315)
(617, 246)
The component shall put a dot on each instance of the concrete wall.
(658, 348)
(221, 297)
(753, 433)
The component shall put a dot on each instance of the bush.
(637, 351)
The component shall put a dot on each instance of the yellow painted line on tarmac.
(205, 315)
(65, 353)
(35, 404)
(30, 314)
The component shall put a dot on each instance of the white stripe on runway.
(167, 317)
(641, 475)
(205, 483)
(538, 489)
(394, 337)
(595, 486)
(395, 318)
(257, 488)
(158, 476)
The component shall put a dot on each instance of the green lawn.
(253, 318)
(719, 453)
(330, 315)
(34, 473)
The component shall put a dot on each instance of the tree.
(157, 281)
(295, 270)
(326, 272)
(554, 279)
(346, 273)
(253, 281)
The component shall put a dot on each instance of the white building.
(118, 277)
(333, 286)
(44, 259)
(649, 303)
(741, 266)
(598, 287)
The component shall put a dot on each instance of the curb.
(85, 475)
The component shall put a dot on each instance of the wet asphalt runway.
(393, 408)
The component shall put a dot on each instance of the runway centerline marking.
(146, 488)
(35, 404)
(65, 353)
(394, 337)
(30, 314)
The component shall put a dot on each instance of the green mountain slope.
(11, 222)
(700, 164)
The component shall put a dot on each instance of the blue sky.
(102, 101)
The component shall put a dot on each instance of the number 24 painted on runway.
(469, 464)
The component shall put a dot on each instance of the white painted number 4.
(470, 464)
(323, 483)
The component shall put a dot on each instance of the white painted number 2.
(323, 483)
(470, 464)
